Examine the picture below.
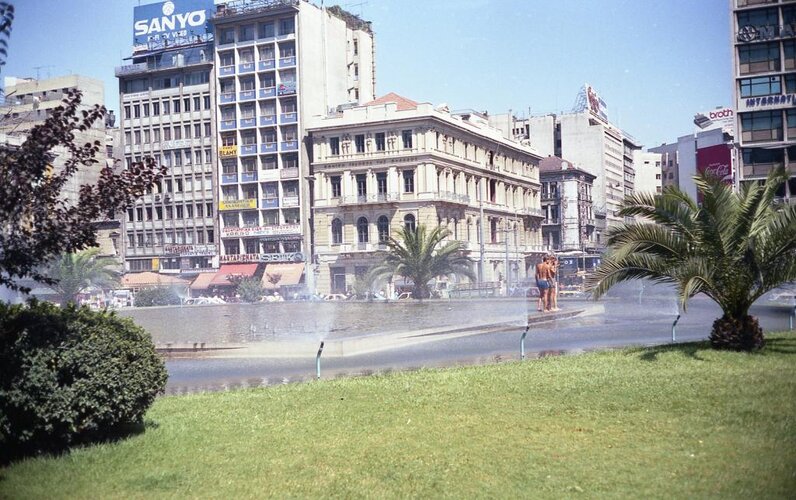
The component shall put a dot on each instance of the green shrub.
(157, 297)
(250, 289)
(71, 375)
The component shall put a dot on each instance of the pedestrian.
(553, 291)
(543, 283)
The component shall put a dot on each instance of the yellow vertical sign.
(155, 264)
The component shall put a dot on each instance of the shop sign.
(190, 250)
(243, 257)
(751, 33)
(282, 257)
(227, 151)
(772, 100)
(237, 204)
(276, 230)
(171, 20)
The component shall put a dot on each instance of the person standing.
(553, 291)
(543, 283)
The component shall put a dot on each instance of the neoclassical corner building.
(394, 162)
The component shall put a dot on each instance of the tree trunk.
(737, 334)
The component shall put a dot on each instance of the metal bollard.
(522, 341)
(674, 336)
(318, 362)
(790, 318)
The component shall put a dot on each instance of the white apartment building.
(280, 62)
(649, 178)
(394, 162)
(165, 100)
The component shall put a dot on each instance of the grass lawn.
(682, 421)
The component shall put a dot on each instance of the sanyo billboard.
(171, 20)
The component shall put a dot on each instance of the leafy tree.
(250, 289)
(734, 248)
(6, 19)
(37, 223)
(157, 296)
(420, 255)
(75, 272)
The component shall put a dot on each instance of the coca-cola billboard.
(716, 162)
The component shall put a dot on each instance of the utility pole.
(481, 228)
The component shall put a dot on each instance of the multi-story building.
(28, 102)
(649, 178)
(165, 101)
(280, 62)
(670, 163)
(764, 71)
(394, 162)
(566, 206)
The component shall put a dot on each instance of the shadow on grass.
(9, 455)
(783, 344)
(777, 343)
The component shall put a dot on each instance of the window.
(758, 18)
(336, 187)
(268, 162)
(758, 58)
(381, 182)
(764, 85)
(362, 230)
(145, 109)
(379, 141)
(246, 56)
(156, 108)
(197, 103)
(409, 181)
(266, 53)
(356, 46)
(362, 185)
(227, 58)
(227, 35)
(409, 222)
(337, 232)
(136, 111)
(359, 142)
(166, 107)
(287, 49)
(761, 126)
(286, 26)
(383, 225)
(176, 105)
(247, 84)
(334, 146)
(246, 33)
(266, 30)
(406, 139)
(127, 112)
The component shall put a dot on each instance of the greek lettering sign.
(276, 230)
(243, 257)
(237, 204)
(227, 151)
(171, 20)
(190, 250)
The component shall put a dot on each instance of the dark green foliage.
(250, 289)
(158, 296)
(742, 334)
(69, 375)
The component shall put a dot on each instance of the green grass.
(669, 422)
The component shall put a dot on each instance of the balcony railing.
(452, 197)
(226, 70)
(226, 97)
(229, 178)
(248, 149)
(228, 124)
(268, 120)
(247, 67)
(287, 61)
(266, 64)
(246, 95)
(268, 147)
(267, 92)
(289, 146)
(535, 212)
(291, 117)
(269, 203)
(290, 201)
(247, 122)
(289, 173)
(248, 177)
(370, 198)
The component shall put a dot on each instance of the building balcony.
(267, 92)
(247, 67)
(449, 196)
(289, 173)
(285, 62)
(268, 120)
(247, 122)
(248, 149)
(288, 117)
(246, 95)
(248, 177)
(268, 147)
(226, 97)
(265, 65)
(227, 124)
(551, 222)
(289, 146)
(290, 201)
(286, 88)
(229, 178)
(226, 70)
(370, 198)
(533, 212)
(269, 203)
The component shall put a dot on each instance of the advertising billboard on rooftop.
(171, 21)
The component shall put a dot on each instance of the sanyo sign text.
(171, 20)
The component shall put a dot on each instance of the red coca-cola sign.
(716, 162)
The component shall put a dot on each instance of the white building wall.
(648, 172)
(570, 229)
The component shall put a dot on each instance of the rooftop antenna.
(360, 4)
(39, 68)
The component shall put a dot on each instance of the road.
(619, 325)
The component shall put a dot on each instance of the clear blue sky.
(654, 63)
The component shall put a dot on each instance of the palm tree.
(75, 272)
(733, 248)
(415, 255)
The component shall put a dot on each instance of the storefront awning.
(227, 271)
(202, 282)
(282, 274)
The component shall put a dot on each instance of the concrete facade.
(649, 178)
(566, 206)
(394, 162)
(763, 34)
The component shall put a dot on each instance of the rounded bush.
(736, 334)
(157, 297)
(71, 375)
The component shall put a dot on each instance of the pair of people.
(546, 274)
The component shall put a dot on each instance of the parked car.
(335, 296)
(405, 295)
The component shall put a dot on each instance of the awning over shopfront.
(149, 279)
(235, 271)
(277, 275)
(202, 282)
